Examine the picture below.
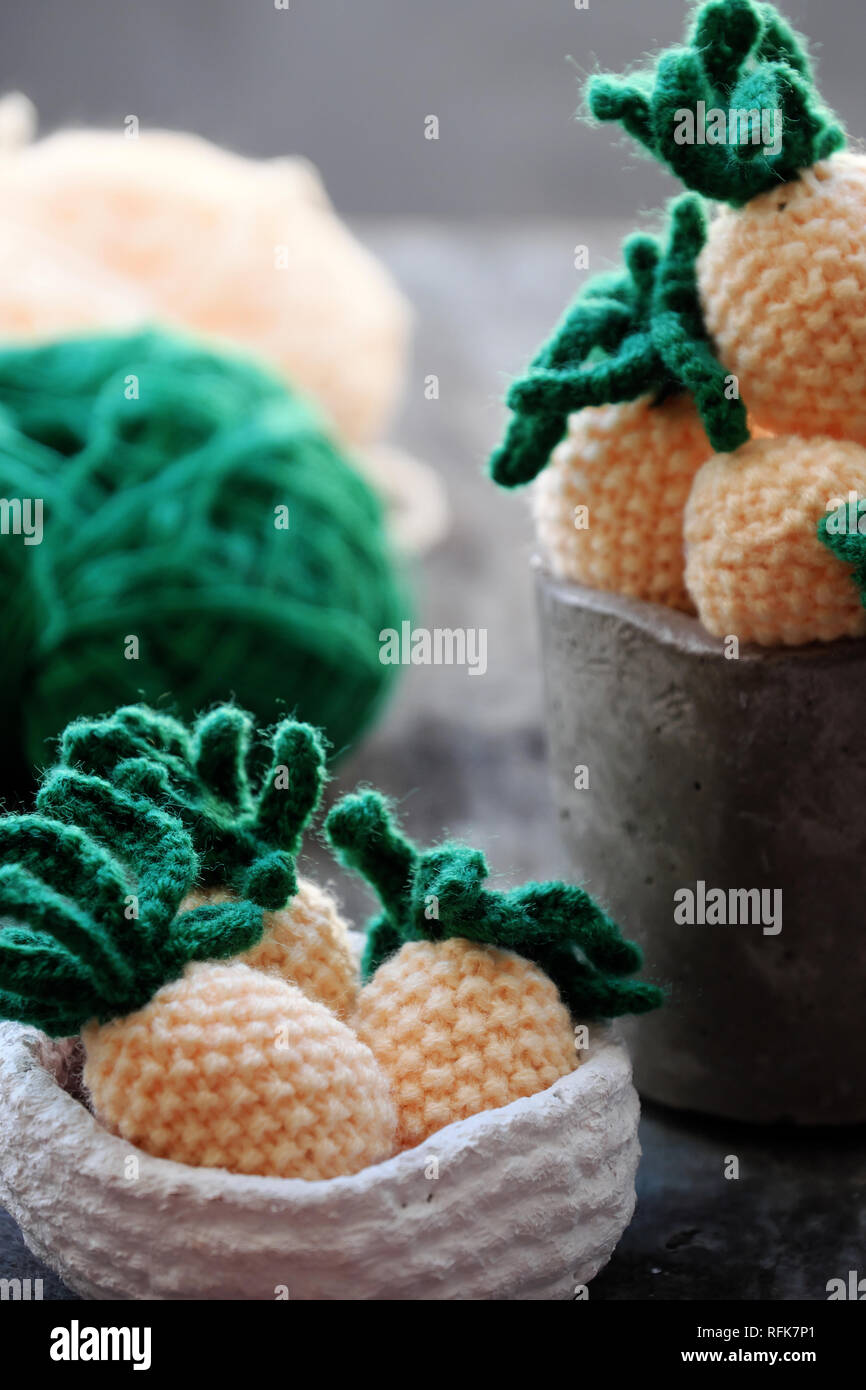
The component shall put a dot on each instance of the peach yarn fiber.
(100, 231)
(459, 1028)
(755, 565)
(783, 286)
(306, 943)
(230, 1067)
(631, 466)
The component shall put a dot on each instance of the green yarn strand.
(740, 57)
(207, 514)
(246, 830)
(639, 333)
(440, 894)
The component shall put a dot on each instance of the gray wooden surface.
(467, 755)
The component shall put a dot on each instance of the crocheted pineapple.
(469, 991)
(609, 507)
(755, 564)
(782, 276)
(246, 829)
(206, 1063)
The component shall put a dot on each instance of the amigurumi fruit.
(471, 995)
(755, 564)
(188, 1057)
(782, 275)
(246, 800)
(631, 468)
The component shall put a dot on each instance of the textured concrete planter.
(529, 1202)
(742, 774)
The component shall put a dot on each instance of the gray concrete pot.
(742, 774)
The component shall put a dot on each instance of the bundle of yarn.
(211, 1029)
(108, 230)
(200, 533)
(702, 411)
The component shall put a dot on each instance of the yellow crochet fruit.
(755, 566)
(306, 943)
(631, 466)
(783, 286)
(229, 1067)
(459, 1028)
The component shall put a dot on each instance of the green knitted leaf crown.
(90, 886)
(245, 829)
(639, 332)
(740, 57)
(440, 893)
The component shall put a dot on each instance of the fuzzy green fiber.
(161, 464)
(245, 800)
(439, 894)
(90, 886)
(850, 548)
(741, 56)
(637, 333)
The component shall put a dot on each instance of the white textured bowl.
(529, 1202)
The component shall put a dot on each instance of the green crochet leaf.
(440, 893)
(90, 889)
(740, 57)
(637, 333)
(849, 546)
(245, 803)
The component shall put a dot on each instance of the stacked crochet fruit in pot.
(151, 904)
(703, 411)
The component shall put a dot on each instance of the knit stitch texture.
(231, 1068)
(460, 1028)
(783, 284)
(755, 565)
(306, 943)
(632, 467)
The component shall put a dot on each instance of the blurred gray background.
(349, 83)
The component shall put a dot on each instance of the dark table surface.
(467, 755)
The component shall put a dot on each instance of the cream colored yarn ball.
(248, 252)
(632, 467)
(783, 286)
(459, 1028)
(307, 943)
(755, 566)
(230, 1067)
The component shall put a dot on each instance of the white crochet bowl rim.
(529, 1201)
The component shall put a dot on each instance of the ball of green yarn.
(197, 513)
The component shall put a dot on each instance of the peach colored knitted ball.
(459, 1028)
(783, 285)
(755, 566)
(249, 252)
(307, 943)
(632, 466)
(233, 1068)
